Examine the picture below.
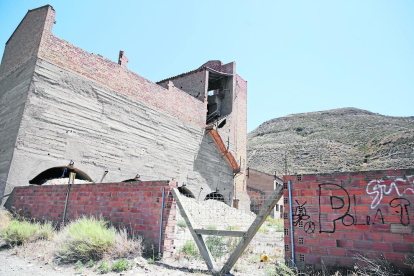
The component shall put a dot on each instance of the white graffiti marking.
(377, 189)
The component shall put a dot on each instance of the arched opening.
(215, 196)
(186, 192)
(59, 172)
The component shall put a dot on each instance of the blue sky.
(297, 56)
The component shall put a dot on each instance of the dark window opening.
(59, 172)
(186, 192)
(219, 103)
(215, 196)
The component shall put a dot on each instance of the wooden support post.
(227, 233)
(246, 236)
(197, 237)
(274, 198)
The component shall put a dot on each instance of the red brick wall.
(100, 69)
(339, 215)
(256, 200)
(135, 206)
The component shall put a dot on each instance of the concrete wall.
(212, 168)
(337, 216)
(16, 72)
(69, 117)
(86, 108)
(23, 45)
(118, 78)
(135, 206)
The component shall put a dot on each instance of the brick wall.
(104, 71)
(336, 216)
(136, 206)
(257, 198)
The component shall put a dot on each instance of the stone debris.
(213, 214)
(60, 181)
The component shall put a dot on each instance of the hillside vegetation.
(346, 139)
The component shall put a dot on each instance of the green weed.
(189, 249)
(120, 266)
(103, 267)
(181, 223)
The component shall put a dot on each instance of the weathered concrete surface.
(69, 117)
(87, 108)
(16, 71)
(13, 95)
(23, 44)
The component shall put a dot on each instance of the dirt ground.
(15, 265)
(24, 262)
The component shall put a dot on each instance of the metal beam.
(274, 198)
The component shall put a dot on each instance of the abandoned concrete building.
(60, 103)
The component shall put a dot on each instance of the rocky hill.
(346, 139)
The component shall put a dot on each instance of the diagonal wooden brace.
(199, 240)
(267, 209)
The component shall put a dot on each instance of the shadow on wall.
(216, 171)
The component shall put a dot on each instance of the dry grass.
(93, 239)
(125, 246)
(85, 239)
(21, 232)
(379, 267)
(5, 218)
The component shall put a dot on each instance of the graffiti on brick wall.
(402, 204)
(378, 188)
(337, 205)
(301, 215)
(341, 200)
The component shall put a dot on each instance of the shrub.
(284, 270)
(120, 266)
(181, 223)
(263, 230)
(85, 239)
(45, 232)
(103, 267)
(91, 263)
(79, 264)
(217, 246)
(20, 232)
(189, 249)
